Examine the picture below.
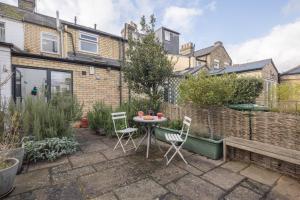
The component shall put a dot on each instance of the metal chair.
(177, 140)
(121, 116)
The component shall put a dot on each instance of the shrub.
(49, 149)
(246, 90)
(43, 119)
(100, 117)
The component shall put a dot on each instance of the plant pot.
(7, 176)
(207, 147)
(17, 153)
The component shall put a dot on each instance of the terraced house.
(52, 55)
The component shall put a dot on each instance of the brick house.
(59, 56)
(291, 76)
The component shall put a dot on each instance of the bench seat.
(280, 153)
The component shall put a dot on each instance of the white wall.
(14, 32)
(5, 62)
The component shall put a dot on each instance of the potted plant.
(8, 171)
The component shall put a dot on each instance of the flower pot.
(17, 153)
(7, 176)
(204, 146)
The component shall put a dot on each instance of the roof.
(170, 30)
(295, 70)
(250, 66)
(189, 70)
(16, 13)
(204, 51)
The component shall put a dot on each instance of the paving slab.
(31, 180)
(168, 173)
(111, 154)
(86, 159)
(169, 196)
(235, 166)
(60, 168)
(224, 178)
(286, 188)
(145, 189)
(93, 146)
(107, 196)
(23, 196)
(70, 191)
(255, 186)
(202, 163)
(110, 163)
(242, 193)
(189, 168)
(105, 181)
(70, 175)
(192, 187)
(261, 175)
(45, 164)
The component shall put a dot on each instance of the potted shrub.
(99, 118)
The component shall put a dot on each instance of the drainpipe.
(72, 39)
(60, 30)
(121, 58)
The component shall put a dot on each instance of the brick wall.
(87, 89)
(220, 54)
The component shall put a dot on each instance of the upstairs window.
(2, 32)
(49, 43)
(167, 35)
(216, 64)
(88, 43)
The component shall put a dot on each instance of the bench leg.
(224, 151)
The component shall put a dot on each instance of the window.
(216, 64)
(41, 82)
(88, 43)
(167, 35)
(49, 43)
(226, 64)
(2, 32)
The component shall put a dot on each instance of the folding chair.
(177, 140)
(121, 116)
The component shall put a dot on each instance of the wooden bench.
(288, 155)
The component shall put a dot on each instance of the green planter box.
(207, 147)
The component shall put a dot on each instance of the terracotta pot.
(84, 123)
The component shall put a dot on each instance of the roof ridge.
(257, 61)
(286, 72)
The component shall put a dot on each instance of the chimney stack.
(95, 26)
(187, 49)
(128, 29)
(27, 5)
(218, 43)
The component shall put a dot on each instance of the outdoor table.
(148, 124)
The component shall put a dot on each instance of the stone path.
(98, 172)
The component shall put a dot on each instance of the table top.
(155, 120)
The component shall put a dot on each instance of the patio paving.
(98, 172)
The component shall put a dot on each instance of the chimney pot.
(218, 43)
(75, 20)
(95, 26)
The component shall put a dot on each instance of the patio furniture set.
(125, 132)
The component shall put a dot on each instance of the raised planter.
(204, 146)
(7, 176)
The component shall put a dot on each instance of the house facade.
(59, 56)
(291, 76)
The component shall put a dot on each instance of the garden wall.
(280, 129)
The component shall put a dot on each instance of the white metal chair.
(123, 131)
(177, 140)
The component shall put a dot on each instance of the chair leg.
(180, 154)
(168, 162)
(168, 151)
(120, 142)
(142, 140)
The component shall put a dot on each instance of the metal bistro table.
(148, 124)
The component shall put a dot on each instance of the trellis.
(171, 90)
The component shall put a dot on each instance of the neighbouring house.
(264, 69)
(59, 56)
(213, 57)
(291, 76)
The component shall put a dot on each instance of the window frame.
(1, 22)
(166, 31)
(57, 40)
(216, 61)
(48, 80)
(89, 41)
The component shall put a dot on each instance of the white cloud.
(282, 44)
(211, 6)
(292, 6)
(180, 18)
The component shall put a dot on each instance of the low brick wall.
(280, 129)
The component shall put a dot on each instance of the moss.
(10, 11)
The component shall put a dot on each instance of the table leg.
(148, 142)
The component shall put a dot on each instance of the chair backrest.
(186, 127)
(119, 116)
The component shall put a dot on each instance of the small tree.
(207, 91)
(148, 66)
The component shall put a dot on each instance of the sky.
(249, 29)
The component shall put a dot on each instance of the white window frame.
(2, 31)
(169, 33)
(57, 41)
(89, 41)
(216, 64)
